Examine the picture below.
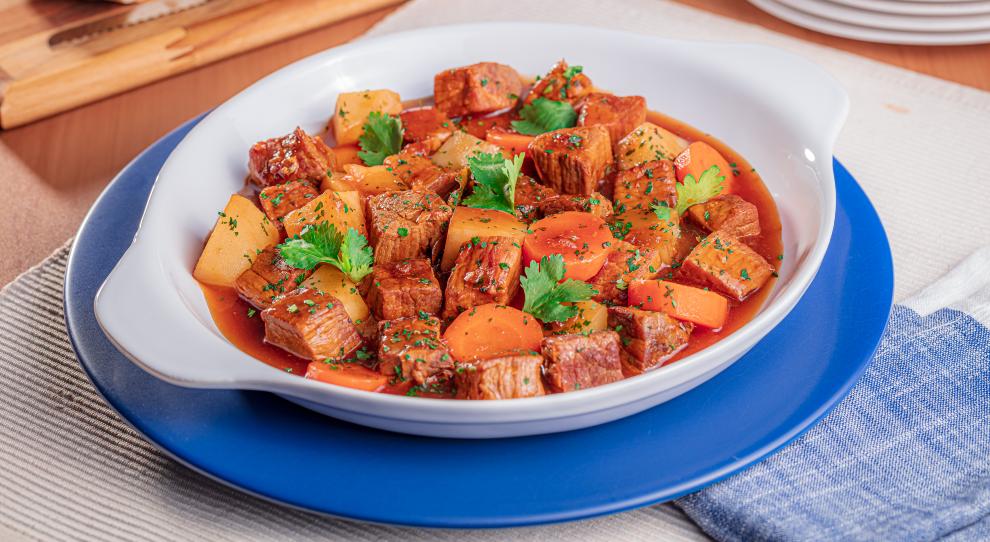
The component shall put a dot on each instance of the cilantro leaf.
(322, 243)
(661, 209)
(381, 137)
(571, 71)
(544, 115)
(692, 192)
(495, 181)
(545, 294)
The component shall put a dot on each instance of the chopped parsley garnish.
(661, 209)
(544, 115)
(322, 243)
(382, 137)
(546, 295)
(692, 192)
(495, 181)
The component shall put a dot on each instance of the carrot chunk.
(698, 157)
(582, 239)
(348, 375)
(702, 307)
(511, 142)
(487, 331)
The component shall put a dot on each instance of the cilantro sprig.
(495, 181)
(692, 192)
(322, 243)
(545, 115)
(381, 137)
(546, 295)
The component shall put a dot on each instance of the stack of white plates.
(911, 22)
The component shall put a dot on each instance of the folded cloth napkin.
(906, 456)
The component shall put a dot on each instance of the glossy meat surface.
(576, 362)
(311, 325)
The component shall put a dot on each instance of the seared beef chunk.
(486, 271)
(419, 173)
(311, 325)
(562, 84)
(411, 349)
(648, 338)
(576, 362)
(281, 199)
(691, 235)
(572, 160)
(595, 204)
(267, 278)
(297, 156)
(529, 195)
(646, 184)
(727, 213)
(508, 377)
(426, 125)
(406, 224)
(625, 263)
(479, 88)
(404, 288)
(619, 114)
(728, 265)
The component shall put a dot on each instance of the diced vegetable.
(591, 316)
(648, 142)
(367, 180)
(240, 233)
(349, 375)
(346, 154)
(353, 108)
(460, 146)
(510, 142)
(342, 209)
(467, 223)
(702, 307)
(697, 158)
(487, 331)
(582, 239)
(330, 280)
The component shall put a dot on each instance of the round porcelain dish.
(780, 111)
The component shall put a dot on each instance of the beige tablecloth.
(71, 470)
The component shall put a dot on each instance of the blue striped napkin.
(906, 456)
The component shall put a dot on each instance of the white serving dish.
(780, 111)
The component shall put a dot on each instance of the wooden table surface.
(52, 170)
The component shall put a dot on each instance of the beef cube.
(479, 88)
(404, 288)
(562, 83)
(411, 349)
(486, 271)
(577, 362)
(595, 204)
(624, 264)
(691, 235)
(648, 338)
(646, 184)
(281, 199)
(297, 156)
(311, 325)
(728, 265)
(426, 125)
(618, 114)
(727, 213)
(529, 194)
(406, 224)
(508, 377)
(267, 278)
(572, 160)
(412, 168)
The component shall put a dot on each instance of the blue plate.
(270, 447)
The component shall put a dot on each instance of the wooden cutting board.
(39, 79)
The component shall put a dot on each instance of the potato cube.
(369, 181)
(241, 232)
(330, 280)
(468, 222)
(460, 146)
(592, 316)
(353, 108)
(648, 142)
(342, 209)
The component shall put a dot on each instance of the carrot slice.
(702, 307)
(348, 375)
(511, 142)
(487, 331)
(582, 239)
(698, 157)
